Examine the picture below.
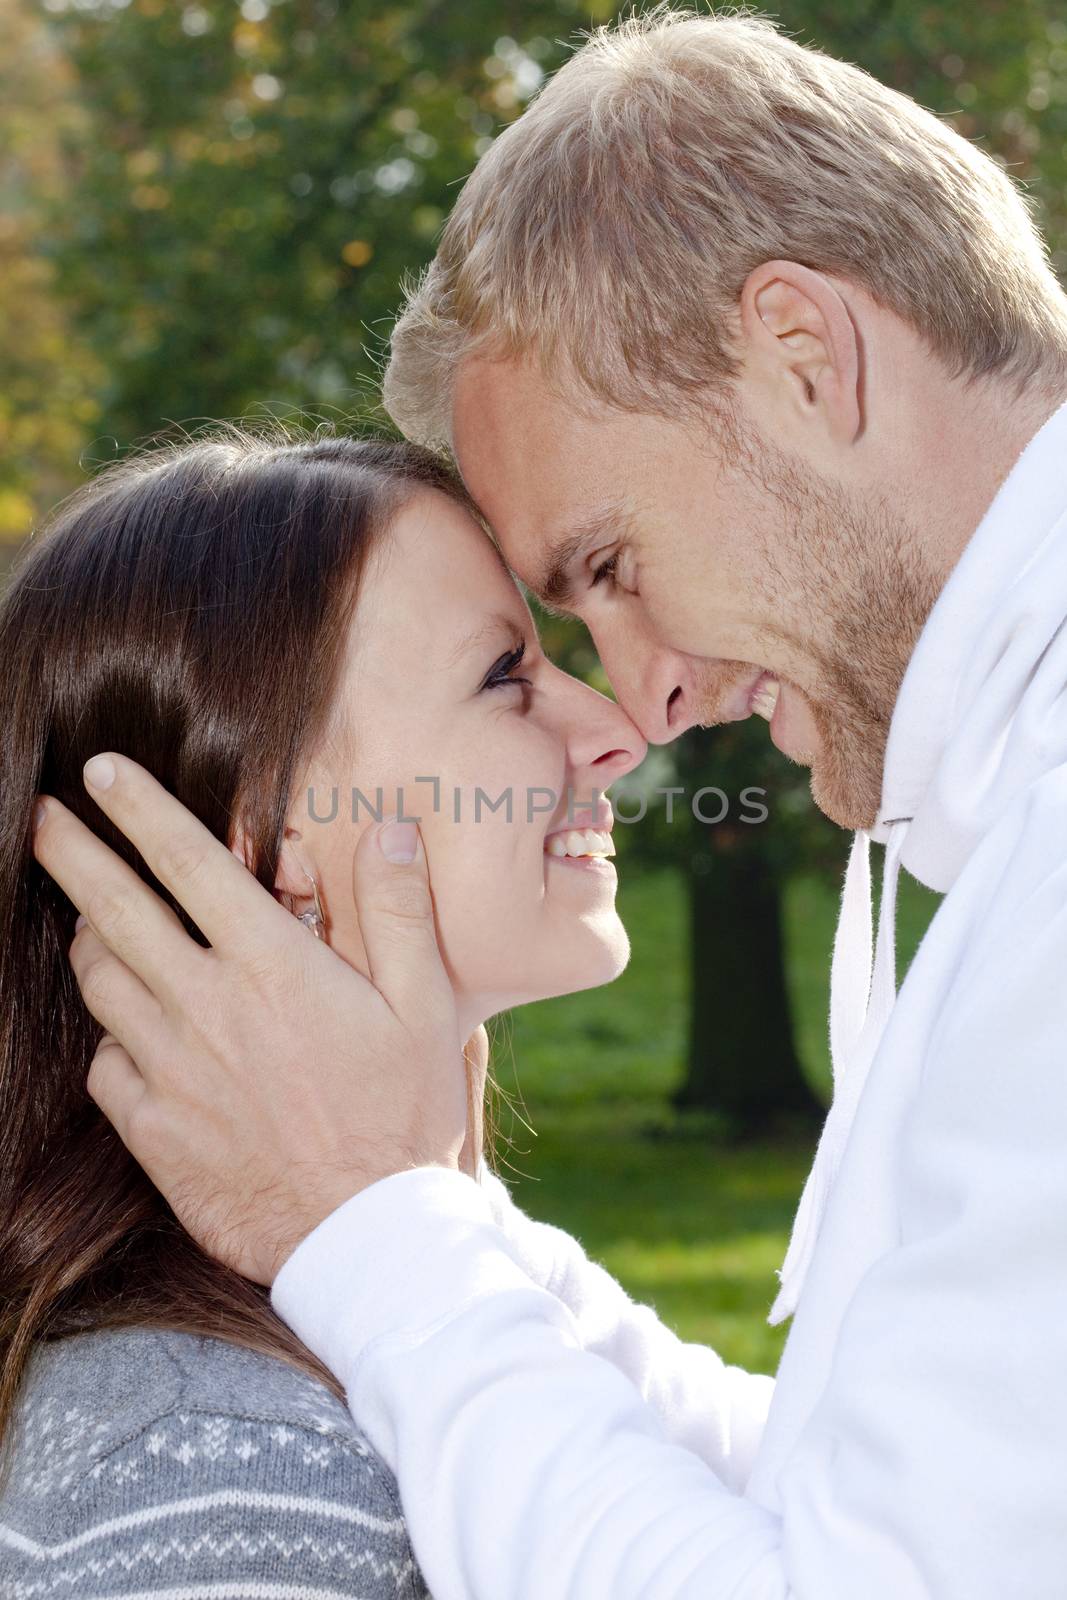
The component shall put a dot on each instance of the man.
(757, 368)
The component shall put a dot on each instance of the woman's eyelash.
(606, 569)
(503, 671)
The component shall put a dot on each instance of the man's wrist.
(311, 1205)
(402, 1254)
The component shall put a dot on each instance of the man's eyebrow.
(497, 623)
(555, 587)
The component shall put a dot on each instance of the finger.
(124, 912)
(116, 1085)
(235, 913)
(395, 910)
(114, 995)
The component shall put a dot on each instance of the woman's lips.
(599, 866)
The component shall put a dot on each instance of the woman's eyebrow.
(497, 623)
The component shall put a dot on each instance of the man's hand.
(263, 1081)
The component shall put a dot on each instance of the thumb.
(391, 886)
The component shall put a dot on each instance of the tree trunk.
(742, 1061)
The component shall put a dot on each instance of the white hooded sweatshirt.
(553, 1441)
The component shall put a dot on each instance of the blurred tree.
(744, 824)
(48, 378)
(253, 181)
(245, 185)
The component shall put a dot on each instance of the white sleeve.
(715, 1410)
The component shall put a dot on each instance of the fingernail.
(398, 842)
(82, 920)
(99, 772)
(40, 811)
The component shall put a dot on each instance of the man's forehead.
(535, 478)
(509, 386)
(511, 429)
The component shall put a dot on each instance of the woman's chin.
(590, 955)
(597, 957)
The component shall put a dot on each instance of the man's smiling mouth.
(765, 696)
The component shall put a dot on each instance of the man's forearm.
(527, 1466)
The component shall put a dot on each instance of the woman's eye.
(606, 569)
(504, 671)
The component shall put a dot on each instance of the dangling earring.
(313, 918)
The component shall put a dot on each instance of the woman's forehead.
(438, 582)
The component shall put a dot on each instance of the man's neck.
(969, 440)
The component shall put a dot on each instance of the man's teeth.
(580, 842)
(764, 703)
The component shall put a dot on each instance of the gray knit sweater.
(183, 1468)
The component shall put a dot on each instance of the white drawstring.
(860, 1003)
(850, 968)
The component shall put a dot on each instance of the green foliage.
(255, 180)
(245, 186)
(694, 1228)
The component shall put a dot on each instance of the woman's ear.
(290, 877)
(240, 845)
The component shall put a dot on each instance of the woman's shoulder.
(187, 1398)
(136, 1447)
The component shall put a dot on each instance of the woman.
(293, 636)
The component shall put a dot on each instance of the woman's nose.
(604, 742)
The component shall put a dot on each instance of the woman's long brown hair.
(187, 607)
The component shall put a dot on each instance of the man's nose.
(653, 685)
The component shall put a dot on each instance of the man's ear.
(802, 346)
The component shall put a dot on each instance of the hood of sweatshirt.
(981, 715)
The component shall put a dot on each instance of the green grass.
(686, 1222)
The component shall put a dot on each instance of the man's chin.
(838, 800)
(846, 772)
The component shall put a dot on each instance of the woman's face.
(448, 706)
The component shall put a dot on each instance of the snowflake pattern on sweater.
(164, 1465)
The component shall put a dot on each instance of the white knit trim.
(229, 1591)
(307, 1505)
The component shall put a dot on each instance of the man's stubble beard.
(859, 572)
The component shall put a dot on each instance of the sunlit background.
(207, 211)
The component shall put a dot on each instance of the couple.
(760, 370)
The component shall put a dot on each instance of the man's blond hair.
(609, 230)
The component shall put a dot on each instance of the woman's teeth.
(580, 842)
(764, 703)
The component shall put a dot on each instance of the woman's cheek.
(479, 894)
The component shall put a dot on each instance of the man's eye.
(606, 569)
